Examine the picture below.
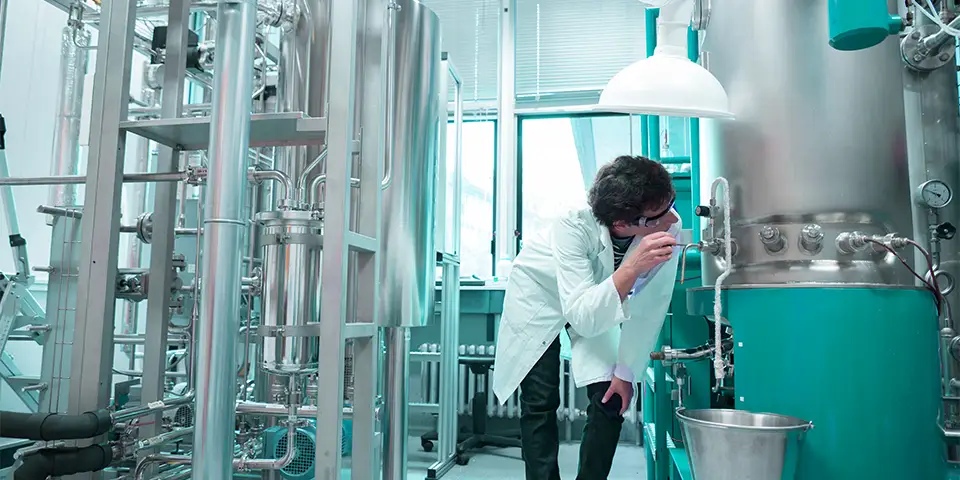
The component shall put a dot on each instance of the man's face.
(655, 220)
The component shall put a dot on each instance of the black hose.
(64, 461)
(54, 426)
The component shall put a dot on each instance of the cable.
(933, 287)
(718, 363)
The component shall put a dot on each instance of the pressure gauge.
(935, 194)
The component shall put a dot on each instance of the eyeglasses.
(654, 220)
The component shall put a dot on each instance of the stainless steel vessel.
(292, 253)
(817, 148)
(408, 253)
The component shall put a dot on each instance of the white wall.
(29, 80)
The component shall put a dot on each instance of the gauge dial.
(935, 194)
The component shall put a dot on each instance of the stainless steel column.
(224, 227)
(396, 369)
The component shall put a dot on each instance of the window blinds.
(571, 45)
(470, 30)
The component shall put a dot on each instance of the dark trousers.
(540, 435)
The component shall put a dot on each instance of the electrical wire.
(932, 286)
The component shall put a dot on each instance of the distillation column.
(224, 226)
(818, 150)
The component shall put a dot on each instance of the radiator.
(470, 383)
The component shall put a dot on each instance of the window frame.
(468, 118)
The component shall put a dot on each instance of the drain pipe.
(224, 228)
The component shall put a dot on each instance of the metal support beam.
(506, 239)
(366, 351)
(164, 220)
(92, 355)
(224, 227)
(333, 312)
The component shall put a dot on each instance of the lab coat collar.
(606, 250)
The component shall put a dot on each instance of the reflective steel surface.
(292, 255)
(739, 445)
(408, 253)
(818, 138)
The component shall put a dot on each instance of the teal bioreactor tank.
(821, 319)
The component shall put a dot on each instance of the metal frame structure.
(78, 365)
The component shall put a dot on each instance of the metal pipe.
(65, 158)
(932, 43)
(295, 71)
(223, 240)
(395, 392)
(315, 15)
(321, 179)
(244, 463)
(79, 179)
(153, 407)
(389, 84)
(163, 438)
(302, 181)
(276, 176)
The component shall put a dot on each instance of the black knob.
(946, 231)
(702, 211)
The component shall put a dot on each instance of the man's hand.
(622, 388)
(653, 250)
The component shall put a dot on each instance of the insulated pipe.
(64, 461)
(65, 157)
(224, 227)
(54, 426)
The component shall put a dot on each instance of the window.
(476, 232)
(559, 157)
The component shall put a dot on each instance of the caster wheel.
(427, 445)
(462, 459)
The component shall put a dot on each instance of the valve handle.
(946, 231)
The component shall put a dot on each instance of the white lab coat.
(566, 276)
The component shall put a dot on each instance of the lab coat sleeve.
(589, 307)
(639, 334)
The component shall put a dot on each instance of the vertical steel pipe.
(317, 13)
(292, 88)
(224, 227)
(396, 393)
(65, 159)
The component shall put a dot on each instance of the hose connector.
(849, 243)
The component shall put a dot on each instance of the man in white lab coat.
(597, 268)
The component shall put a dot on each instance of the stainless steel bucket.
(739, 445)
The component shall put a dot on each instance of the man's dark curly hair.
(627, 187)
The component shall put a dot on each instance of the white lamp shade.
(665, 84)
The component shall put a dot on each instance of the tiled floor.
(629, 464)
